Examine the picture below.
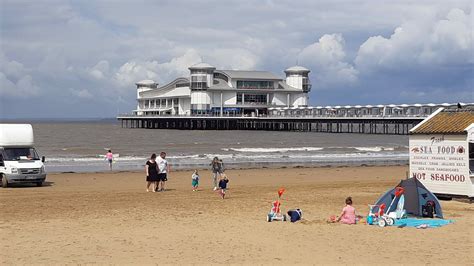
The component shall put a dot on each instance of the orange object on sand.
(280, 192)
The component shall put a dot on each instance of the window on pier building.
(254, 84)
(198, 85)
(179, 85)
(221, 76)
(252, 98)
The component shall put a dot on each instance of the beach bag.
(295, 215)
(427, 210)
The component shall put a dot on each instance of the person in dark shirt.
(223, 185)
(151, 170)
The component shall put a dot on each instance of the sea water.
(81, 146)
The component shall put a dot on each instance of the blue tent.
(416, 197)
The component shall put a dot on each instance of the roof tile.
(448, 121)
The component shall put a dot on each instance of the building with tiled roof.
(441, 149)
(446, 121)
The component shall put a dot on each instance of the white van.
(19, 161)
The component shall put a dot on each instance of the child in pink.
(348, 215)
(109, 157)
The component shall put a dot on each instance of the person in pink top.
(109, 157)
(348, 215)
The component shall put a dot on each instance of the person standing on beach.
(151, 170)
(109, 157)
(195, 178)
(164, 169)
(217, 169)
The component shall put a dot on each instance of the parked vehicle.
(19, 161)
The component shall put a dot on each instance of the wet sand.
(108, 218)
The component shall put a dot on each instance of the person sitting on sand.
(195, 178)
(348, 215)
(223, 185)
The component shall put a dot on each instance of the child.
(348, 215)
(223, 185)
(109, 157)
(195, 178)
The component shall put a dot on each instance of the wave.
(273, 150)
(311, 149)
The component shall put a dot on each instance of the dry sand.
(108, 218)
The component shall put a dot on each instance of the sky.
(81, 59)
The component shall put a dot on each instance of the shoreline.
(252, 166)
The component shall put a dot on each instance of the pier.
(362, 125)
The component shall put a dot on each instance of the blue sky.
(77, 59)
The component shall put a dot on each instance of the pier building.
(212, 99)
(209, 91)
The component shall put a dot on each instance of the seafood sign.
(440, 161)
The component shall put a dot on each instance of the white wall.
(279, 98)
(300, 99)
(441, 163)
(184, 106)
(295, 81)
(200, 97)
(230, 98)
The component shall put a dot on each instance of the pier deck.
(363, 125)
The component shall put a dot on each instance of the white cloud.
(135, 70)
(22, 88)
(233, 58)
(327, 60)
(100, 70)
(424, 42)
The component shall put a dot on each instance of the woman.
(217, 169)
(151, 170)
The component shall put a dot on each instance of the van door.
(2, 163)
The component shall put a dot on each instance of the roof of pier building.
(249, 74)
(296, 69)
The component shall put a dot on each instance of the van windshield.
(16, 154)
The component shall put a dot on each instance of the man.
(163, 170)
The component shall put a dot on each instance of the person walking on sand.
(109, 157)
(217, 169)
(163, 170)
(223, 185)
(195, 178)
(151, 170)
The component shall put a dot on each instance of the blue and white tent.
(416, 196)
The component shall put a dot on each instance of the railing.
(217, 114)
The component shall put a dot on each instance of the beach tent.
(416, 196)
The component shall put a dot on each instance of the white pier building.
(209, 91)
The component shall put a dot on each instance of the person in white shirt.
(163, 170)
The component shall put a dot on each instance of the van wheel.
(39, 184)
(4, 181)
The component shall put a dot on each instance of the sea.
(80, 146)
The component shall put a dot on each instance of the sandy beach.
(108, 218)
